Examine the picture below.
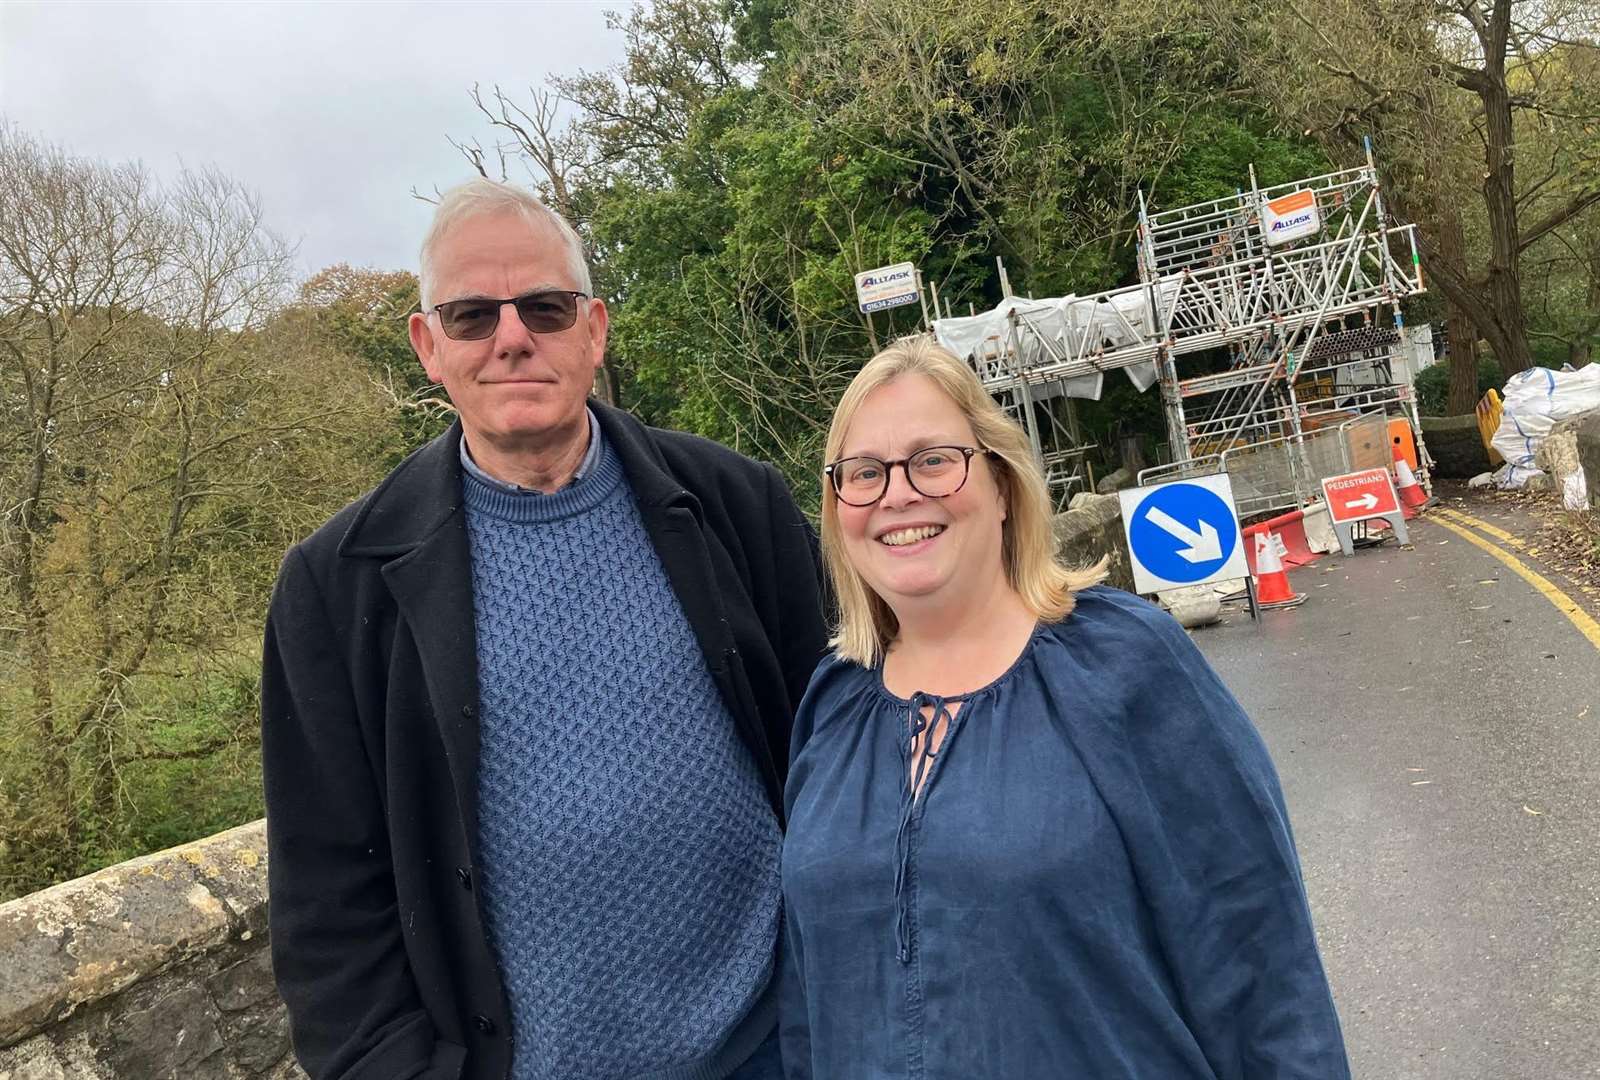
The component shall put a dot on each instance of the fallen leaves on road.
(1563, 540)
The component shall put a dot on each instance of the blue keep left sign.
(1183, 533)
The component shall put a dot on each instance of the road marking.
(1457, 523)
(1481, 525)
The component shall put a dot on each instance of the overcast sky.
(331, 111)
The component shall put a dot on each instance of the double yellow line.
(1462, 524)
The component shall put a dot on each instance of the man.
(526, 710)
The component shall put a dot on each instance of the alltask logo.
(869, 281)
(1303, 218)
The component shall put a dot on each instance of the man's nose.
(510, 335)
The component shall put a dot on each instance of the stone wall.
(1456, 446)
(150, 969)
(1091, 530)
(1589, 457)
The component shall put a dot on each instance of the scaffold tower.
(1298, 285)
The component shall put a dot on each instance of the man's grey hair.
(483, 197)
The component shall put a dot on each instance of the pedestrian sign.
(1358, 495)
(1181, 533)
(1361, 496)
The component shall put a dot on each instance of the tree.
(747, 159)
(176, 433)
(1484, 113)
(364, 313)
(82, 250)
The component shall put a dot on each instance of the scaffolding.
(1310, 325)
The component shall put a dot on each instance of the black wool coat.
(369, 703)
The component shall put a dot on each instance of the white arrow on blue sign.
(1183, 533)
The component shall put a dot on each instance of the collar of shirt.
(584, 467)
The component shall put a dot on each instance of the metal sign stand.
(1255, 605)
(1345, 531)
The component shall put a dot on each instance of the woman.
(1031, 835)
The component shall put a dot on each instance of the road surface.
(1436, 722)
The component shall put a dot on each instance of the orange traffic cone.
(1272, 583)
(1412, 497)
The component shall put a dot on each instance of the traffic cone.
(1412, 497)
(1272, 582)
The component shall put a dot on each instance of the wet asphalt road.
(1436, 723)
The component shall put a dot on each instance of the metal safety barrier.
(1287, 472)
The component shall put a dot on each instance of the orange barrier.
(1402, 442)
(1290, 528)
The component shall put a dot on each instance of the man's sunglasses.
(547, 311)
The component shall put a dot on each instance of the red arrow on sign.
(1359, 495)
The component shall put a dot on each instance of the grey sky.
(331, 111)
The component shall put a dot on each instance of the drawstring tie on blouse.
(918, 771)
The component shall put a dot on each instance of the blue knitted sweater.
(628, 854)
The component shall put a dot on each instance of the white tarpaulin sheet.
(976, 336)
(1058, 327)
(1537, 400)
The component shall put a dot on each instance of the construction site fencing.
(1310, 410)
(1287, 472)
(1204, 465)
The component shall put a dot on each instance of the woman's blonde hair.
(866, 623)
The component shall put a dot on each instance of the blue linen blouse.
(1097, 880)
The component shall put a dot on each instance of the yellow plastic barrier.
(1489, 410)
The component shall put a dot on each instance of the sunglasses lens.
(541, 312)
(468, 320)
(547, 312)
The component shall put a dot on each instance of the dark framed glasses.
(934, 472)
(547, 311)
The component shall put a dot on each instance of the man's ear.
(422, 343)
(599, 322)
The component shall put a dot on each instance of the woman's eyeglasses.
(547, 311)
(934, 472)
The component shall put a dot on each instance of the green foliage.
(173, 800)
(735, 212)
(1433, 384)
(172, 427)
(198, 771)
(364, 313)
(733, 286)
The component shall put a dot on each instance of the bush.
(1433, 385)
